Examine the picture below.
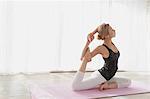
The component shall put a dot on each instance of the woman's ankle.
(112, 85)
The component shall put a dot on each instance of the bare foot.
(113, 85)
(103, 86)
(108, 85)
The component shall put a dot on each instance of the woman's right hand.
(90, 37)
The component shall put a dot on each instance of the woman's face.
(112, 32)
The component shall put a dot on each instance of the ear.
(108, 36)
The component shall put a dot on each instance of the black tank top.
(111, 64)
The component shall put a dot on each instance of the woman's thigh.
(90, 82)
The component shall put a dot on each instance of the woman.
(102, 78)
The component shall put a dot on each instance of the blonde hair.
(104, 31)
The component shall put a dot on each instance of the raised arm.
(96, 51)
(90, 38)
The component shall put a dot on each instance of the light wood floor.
(15, 86)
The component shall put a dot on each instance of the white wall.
(40, 36)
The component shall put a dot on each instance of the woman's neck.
(108, 41)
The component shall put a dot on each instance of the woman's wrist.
(95, 31)
(92, 33)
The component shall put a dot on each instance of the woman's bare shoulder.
(101, 47)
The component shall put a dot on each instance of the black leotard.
(111, 64)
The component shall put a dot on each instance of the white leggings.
(95, 79)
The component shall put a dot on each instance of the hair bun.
(106, 25)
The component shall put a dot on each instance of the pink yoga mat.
(64, 91)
